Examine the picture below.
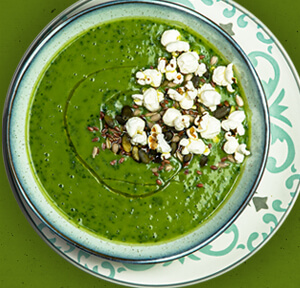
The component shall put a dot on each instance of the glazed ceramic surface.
(79, 18)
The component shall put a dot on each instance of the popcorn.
(171, 72)
(169, 36)
(209, 97)
(149, 77)
(186, 103)
(184, 95)
(135, 128)
(232, 146)
(188, 62)
(193, 144)
(138, 99)
(223, 76)
(182, 122)
(173, 118)
(139, 139)
(163, 147)
(208, 126)
(150, 99)
(178, 46)
(201, 69)
(156, 141)
(175, 95)
(162, 63)
(170, 116)
(152, 139)
(191, 90)
(234, 122)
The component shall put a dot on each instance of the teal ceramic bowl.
(66, 26)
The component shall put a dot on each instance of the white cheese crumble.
(188, 62)
(149, 99)
(208, 126)
(232, 146)
(235, 122)
(135, 128)
(193, 144)
(151, 77)
(209, 97)
(223, 76)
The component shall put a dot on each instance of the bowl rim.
(58, 23)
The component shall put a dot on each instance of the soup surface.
(73, 126)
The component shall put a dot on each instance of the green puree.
(122, 202)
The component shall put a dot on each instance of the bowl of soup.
(136, 130)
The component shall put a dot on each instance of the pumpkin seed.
(174, 147)
(168, 136)
(196, 81)
(221, 112)
(179, 156)
(203, 160)
(126, 143)
(143, 156)
(135, 154)
(187, 158)
(206, 75)
(126, 112)
(157, 158)
(120, 120)
(109, 121)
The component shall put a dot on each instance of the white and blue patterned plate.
(275, 195)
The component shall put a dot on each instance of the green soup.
(111, 194)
